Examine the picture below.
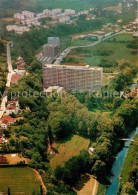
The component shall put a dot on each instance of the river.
(118, 165)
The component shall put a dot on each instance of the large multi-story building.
(72, 78)
(54, 40)
(50, 50)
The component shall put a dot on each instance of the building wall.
(50, 50)
(54, 40)
(72, 79)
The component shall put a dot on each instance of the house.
(91, 16)
(135, 35)
(6, 122)
(3, 160)
(17, 29)
(12, 107)
(2, 139)
(69, 12)
(91, 150)
(20, 66)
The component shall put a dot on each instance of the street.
(10, 69)
(67, 50)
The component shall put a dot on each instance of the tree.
(128, 189)
(119, 126)
(99, 170)
(9, 192)
(41, 190)
(117, 102)
(60, 124)
(58, 172)
(2, 47)
(50, 135)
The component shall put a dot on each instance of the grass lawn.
(105, 80)
(67, 149)
(83, 41)
(101, 190)
(116, 48)
(19, 180)
(15, 159)
(64, 42)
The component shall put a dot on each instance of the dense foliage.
(3, 67)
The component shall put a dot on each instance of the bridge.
(126, 139)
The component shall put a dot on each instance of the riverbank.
(129, 164)
(118, 164)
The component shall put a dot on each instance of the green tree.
(128, 189)
(9, 192)
(117, 102)
(41, 190)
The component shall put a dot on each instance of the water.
(118, 165)
(133, 86)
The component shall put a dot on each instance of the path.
(95, 188)
(10, 69)
(41, 181)
(10, 73)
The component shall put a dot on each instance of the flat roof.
(50, 45)
(87, 67)
(51, 88)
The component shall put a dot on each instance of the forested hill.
(8, 7)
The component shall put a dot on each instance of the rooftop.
(51, 88)
(87, 67)
(50, 45)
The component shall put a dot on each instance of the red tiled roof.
(11, 107)
(5, 122)
(3, 160)
(15, 78)
(8, 119)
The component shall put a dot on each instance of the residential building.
(28, 14)
(54, 40)
(20, 63)
(91, 150)
(69, 12)
(17, 29)
(3, 160)
(2, 138)
(91, 16)
(64, 19)
(6, 122)
(18, 16)
(135, 35)
(83, 12)
(50, 50)
(73, 78)
(12, 107)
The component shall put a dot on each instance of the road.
(10, 69)
(10, 73)
(68, 50)
(95, 188)
(3, 106)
